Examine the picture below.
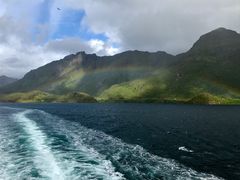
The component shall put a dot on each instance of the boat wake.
(38, 145)
(44, 158)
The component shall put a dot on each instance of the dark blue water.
(119, 141)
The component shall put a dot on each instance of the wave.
(183, 148)
(59, 165)
(14, 155)
(131, 160)
(76, 152)
(44, 158)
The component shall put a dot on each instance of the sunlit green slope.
(208, 73)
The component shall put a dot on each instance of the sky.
(36, 32)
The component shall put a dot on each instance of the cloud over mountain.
(37, 32)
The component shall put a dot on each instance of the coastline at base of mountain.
(79, 97)
(44, 97)
(208, 73)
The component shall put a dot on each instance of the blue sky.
(69, 23)
(70, 26)
(35, 32)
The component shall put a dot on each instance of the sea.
(117, 141)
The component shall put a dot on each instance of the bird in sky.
(59, 9)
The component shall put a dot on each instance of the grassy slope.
(40, 97)
(206, 98)
(147, 89)
(207, 73)
(160, 88)
(65, 84)
(88, 72)
(95, 82)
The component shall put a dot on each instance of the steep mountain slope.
(90, 73)
(4, 80)
(208, 72)
(211, 66)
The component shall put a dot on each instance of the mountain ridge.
(5, 80)
(211, 67)
(88, 63)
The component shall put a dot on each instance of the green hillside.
(208, 73)
(43, 97)
(90, 73)
(210, 67)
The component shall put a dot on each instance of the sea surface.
(119, 141)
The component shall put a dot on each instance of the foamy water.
(38, 145)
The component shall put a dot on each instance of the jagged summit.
(219, 39)
(210, 66)
(222, 29)
(221, 33)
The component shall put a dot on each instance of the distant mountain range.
(4, 80)
(208, 73)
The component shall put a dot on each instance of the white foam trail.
(5, 157)
(44, 158)
(13, 156)
(183, 148)
(64, 165)
(91, 154)
(132, 159)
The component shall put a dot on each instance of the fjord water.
(119, 141)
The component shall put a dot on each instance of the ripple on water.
(54, 148)
(131, 160)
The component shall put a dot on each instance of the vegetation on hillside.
(207, 74)
(206, 98)
(43, 97)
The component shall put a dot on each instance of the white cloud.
(102, 48)
(170, 25)
(96, 44)
(19, 53)
(112, 50)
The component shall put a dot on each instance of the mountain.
(90, 73)
(210, 67)
(4, 80)
(207, 73)
(212, 64)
